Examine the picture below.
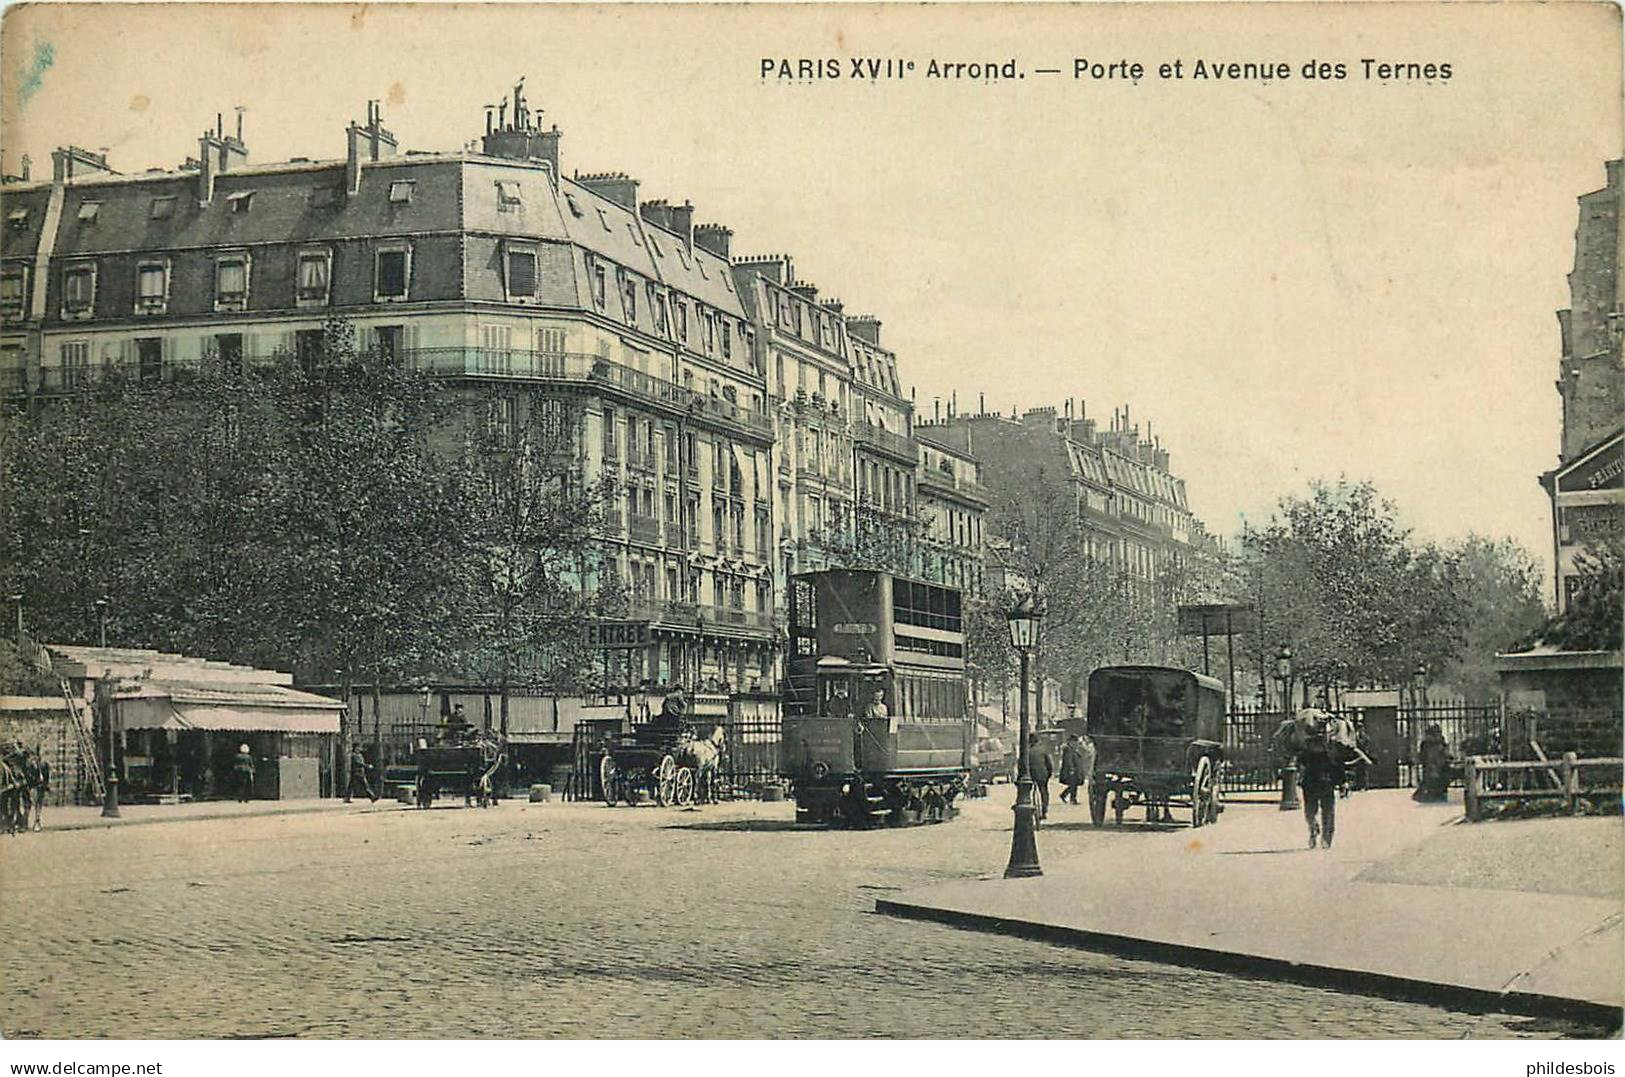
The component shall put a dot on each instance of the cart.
(1159, 742)
(651, 763)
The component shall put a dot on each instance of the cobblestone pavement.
(585, 921)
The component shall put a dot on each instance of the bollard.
(541, 794)
(1289, 788)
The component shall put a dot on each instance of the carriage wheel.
(1097, 803)
(607, 776)
(1202, 792)
(665, 780)
(683, 788)
(1216, 803)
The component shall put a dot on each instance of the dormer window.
(520, 276)
(78, 290)
(604, 220)
(570, 200)
(240, 202)
(151, 287)
(162, 208)
(681, 309)
(629, 296)
(231, 281)
(17, 219)
(392, 273)
(13, 291)
(314, 286)
(88, 212)
(509, 195)
(400, 192)
(599, 284)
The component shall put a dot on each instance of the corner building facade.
(724, 400)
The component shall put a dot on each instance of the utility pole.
(104, 706)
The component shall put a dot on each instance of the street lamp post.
(1419, 684)
(1289, 772)
(1024, 619)
(101, 617)
(104, 704)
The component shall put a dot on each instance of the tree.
(1337, 578)
(534, 575)
(1592, 621)
(1498, 584)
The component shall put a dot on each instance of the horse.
(706, 757)
(25, 777)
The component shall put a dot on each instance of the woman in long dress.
(1435, 760)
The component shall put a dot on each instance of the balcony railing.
(644, 529)
(936, 479)
(880, 438)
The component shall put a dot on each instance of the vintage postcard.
(810, 522)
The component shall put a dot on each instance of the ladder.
(85, 738)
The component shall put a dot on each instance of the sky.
(1285, 279)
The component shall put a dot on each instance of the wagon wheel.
(683, 788)
(608, 777)
(665, 780)
(1202, 792)
(1097, 803)
(1216, 804)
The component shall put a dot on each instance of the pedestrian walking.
(243, 769)
(1072, 774)
(1320, 772)
(1040, 768)
(358, 776)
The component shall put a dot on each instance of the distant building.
(1586, 488)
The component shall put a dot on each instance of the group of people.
(1076, 766)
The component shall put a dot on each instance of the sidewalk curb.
(114, 824)
(1351, 981)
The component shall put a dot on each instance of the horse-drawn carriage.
(669, 760)
(460, 761)
(1159, 741)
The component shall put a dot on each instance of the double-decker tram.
(876, 726)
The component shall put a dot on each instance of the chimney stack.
(369, 143)
(865, 327)
(714, 238)
(74, 161)
(618, 187)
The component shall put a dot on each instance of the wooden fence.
(1489, 778)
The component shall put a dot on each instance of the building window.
(550, 341)
(657, 308)
(392, 273)
(231, 282)
(570, 199)
(162, 208)
(609, 434)
(599, 293)
(151, 287)
(629, 296)
(229, 346)
(13, 291)
(75, 363)
(315, 278)
(388, 341)
(680, 308)
(521, 273)
(708, 331)
(149, 353)
(400, 192)
(78, 291)
(307, 346)
(727, 339)
(499, 421)
(89, 211)
(240, 202)
(17, 219)
(509, 195)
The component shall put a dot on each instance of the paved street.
(586, 921)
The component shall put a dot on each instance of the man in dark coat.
(1041, 768)
(1320, 772)
(243, 768)
(358, 776)
(1072, 774)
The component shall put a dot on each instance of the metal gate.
(1468, 730)
(1249, 737)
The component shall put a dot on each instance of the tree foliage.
(317, 515)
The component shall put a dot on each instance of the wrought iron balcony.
(878, 437)
(644, 529)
